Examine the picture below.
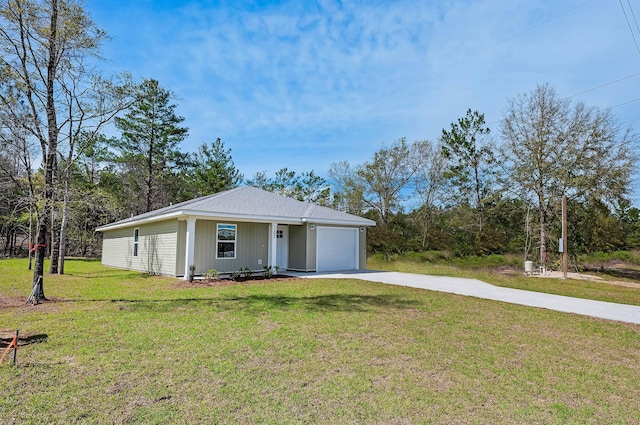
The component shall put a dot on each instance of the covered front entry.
(337, 248)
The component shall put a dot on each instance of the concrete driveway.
(479, 289)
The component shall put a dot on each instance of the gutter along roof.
(248, 204)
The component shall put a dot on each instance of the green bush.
(246, 272)
(446, 257)
(632, 257)
(267, 272)
(212, 274)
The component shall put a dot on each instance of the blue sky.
(303, 84)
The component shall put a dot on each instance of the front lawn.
(121, 347)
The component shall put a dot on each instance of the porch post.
(273, 245)
(191, 244)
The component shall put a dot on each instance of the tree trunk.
(5, 249)
(543, 230)
(65, 220)
(55, 242)
(38, 269)
(30, 232)
(14, 242)
(479, 203)
(50, 151)
(527, 234)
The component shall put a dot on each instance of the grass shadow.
(618, 273)
(334, 302)
(22, 341)
(120, 274)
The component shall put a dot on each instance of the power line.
(605, 85)
(572, 47)
(609, 107)
(634, 15)
(624, 103)
(630, 121)
(629, 24)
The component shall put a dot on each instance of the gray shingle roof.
(248, 204)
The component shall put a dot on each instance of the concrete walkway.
(479, 289)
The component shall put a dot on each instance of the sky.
(304, 84)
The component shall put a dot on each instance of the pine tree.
(149, 155)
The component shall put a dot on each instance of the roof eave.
(363, 222)
(136, 222)
(252, 218)
(202, 214)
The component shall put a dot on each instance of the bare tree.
(554, 147)
(347, 188)
(42, 42)
(91, 102)
(379, 182)
(17, 150)
(430, 183)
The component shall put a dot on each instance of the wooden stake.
(15, 350)
(565, 255)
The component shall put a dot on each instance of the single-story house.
(245, 227)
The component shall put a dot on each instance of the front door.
(282, 247)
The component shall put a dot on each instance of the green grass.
(571, 287)
(120, 347)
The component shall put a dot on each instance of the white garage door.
(337, 249)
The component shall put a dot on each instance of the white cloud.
(306, 84)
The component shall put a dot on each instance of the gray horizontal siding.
(252, 245)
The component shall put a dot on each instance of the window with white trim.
(136, 234)
(226, 241)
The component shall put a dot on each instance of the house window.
(226, 241)
(136, 232)
(279, 234)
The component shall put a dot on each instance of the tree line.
(474, 190)
(476, 193)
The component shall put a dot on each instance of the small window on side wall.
(136, 232)
(226, 241)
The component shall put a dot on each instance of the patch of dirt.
(584, 276)
(622, 271)
(13, 302)
(200, 283)
(506, 270)
(6, 301)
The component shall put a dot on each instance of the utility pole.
(565, 255)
